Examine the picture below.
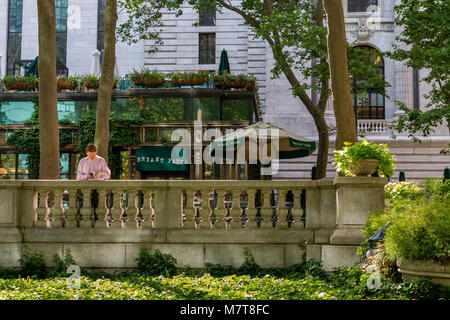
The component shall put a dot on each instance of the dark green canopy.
(224, 65)
(34, 68)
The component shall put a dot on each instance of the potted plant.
(91, 82)
(146, 78)
(364, 158)
(28, 83)
(64, 82)
(189, 78)
(230, 81)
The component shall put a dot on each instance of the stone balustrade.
(281, 222)
(375, 127)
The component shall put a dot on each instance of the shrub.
(32, 264)
(62, 265)
(352, 153)
(402, 190)
(423, 233)
(156, 264)
(420, 223)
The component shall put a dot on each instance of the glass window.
(360, 5)
(15, 112)
(14, 33)
(207, 48)
(237, 110)
(7, 166)
(370, 104)
(61, 30)
(207, 18)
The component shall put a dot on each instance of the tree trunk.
(49, 166)
(340, 83)
(107, 80)
(322, 150)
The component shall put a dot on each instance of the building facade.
(369, 24)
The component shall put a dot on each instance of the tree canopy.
(426, 25)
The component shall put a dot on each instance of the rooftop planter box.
(239, 81)
(147, 79)
(91, 82)
(64, 83)
(18, 83)
(188, 78)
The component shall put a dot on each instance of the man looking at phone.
(93, 167)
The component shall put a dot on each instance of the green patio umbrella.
(290, 145)
(34, 68)
(224, 65)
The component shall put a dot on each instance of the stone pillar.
(403, 77)
(356, 197)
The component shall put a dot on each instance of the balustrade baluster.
(220, 211)
(57, 212)
(197, 204)
(243, 208)
(297, 211)
(125, 204)
(70, 212)
(212, 205)
(86, 211)
(116, 210)
(266, 210)
(101, 209)
(139, 204)
(251, 208)
(204, 211)
(41, 210)
(228, 205)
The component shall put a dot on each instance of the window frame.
(372, 109)
(208, 49)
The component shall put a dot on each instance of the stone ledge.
(250, 236)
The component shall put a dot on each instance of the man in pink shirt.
(93, 167)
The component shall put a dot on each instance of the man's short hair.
(91, 147)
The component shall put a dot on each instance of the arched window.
(369, 103)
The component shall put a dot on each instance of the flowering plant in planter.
(226, 80)
(189, 78)
(64, 82)
(92, 82)
(28, 83)
(348, 160)
(147, 78)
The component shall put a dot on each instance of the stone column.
(356, 197)
(403, 76)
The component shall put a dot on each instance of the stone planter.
(411, 269)
(367, 167)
